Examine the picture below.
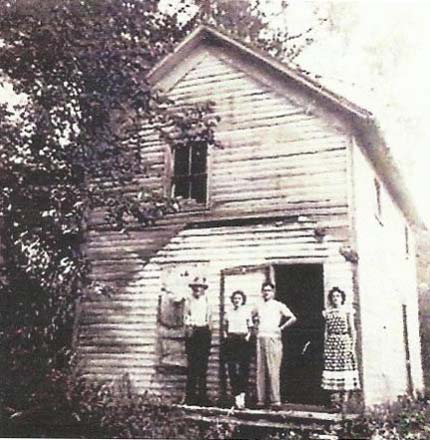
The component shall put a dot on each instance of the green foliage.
(405, 419)
(72, 406)
(190, 125)
(253, 23)
(80, 67)
(75, 407)
(65, 150)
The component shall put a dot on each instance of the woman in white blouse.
(238, 324)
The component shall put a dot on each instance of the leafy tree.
(253, 23)
(81, 67)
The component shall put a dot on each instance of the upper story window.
(190, 172)
(378, 204)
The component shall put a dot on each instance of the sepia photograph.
(214, 219)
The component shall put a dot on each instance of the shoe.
(242, 400)
(335, 406)
(239, 401)
(260, 405)
(275, 406)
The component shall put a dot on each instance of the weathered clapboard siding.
(284, 138)
(269, 146)
(264, 173)
(220, 248)
(279, 158)
(387, 280)
(288, 168)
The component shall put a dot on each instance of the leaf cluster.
(191, 125)
(72, 406)
(80, 67)
(70, 147)
(254, 24)
(407, 418)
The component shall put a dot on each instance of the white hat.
(199, 281)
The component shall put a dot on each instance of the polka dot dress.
(340, 366)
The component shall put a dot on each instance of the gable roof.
(362, 121)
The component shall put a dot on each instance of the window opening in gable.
(190, 172)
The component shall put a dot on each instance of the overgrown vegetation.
(405, 419)
(74, 407)
(267, 28)
(81, 68)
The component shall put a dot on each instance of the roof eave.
(205, 32)
(380, 155)
(181, 50)
(363, 121)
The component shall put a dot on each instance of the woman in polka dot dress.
(340, 372)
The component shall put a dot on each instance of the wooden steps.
(249, 423)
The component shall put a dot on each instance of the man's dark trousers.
(197, 347)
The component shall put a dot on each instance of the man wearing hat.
(198, 326)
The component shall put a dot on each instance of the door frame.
(269, 268)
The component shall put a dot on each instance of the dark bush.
(405, 419)
(71, 406)
(74, 407)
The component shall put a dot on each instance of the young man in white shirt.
(272, 317)
(198, 327)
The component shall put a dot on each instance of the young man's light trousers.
(269, 358)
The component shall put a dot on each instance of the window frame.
(172, 178)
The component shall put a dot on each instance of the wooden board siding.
(294, 163)
(275, 152)
(387, 281)
(278, 159)
(122, 335)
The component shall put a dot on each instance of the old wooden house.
(303, 191)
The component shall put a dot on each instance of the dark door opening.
(301, 288)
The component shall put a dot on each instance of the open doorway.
(301, 287)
